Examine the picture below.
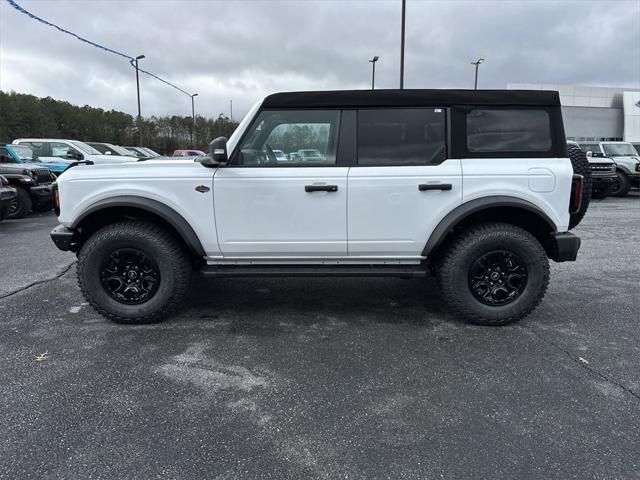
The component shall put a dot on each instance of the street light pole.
(477, 63)
(193, 115)
(373, 73)
(231, 110)
(139, 57)
(404, 7)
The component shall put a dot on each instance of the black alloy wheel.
(130, 276)
(498, 277)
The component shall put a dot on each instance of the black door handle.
(423, 187)
(321, 188)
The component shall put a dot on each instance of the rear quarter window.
(508, 130)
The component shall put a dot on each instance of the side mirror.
(73, 155)
(217, 153)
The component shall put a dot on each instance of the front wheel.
(21, 205)
(621, 185)
(494, 274)
(133, 272)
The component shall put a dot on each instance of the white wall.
(631, 102)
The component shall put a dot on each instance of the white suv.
(473, 186)
(69, 150)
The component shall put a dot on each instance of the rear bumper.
(63, 237)
(565, 247)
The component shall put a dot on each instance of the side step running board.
(409, 271)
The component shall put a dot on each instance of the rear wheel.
(621, 184)
(21, 205)
(133, 272)
(494, 274)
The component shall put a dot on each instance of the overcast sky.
(243, 50)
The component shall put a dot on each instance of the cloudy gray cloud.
(246, 49)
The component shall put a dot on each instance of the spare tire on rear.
(580, 165)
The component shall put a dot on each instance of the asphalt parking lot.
(323, 378)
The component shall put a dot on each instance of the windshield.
(121, 151)
(85, 148)
(135, 151)
(25, 153)
(155, 154)
(619, 150)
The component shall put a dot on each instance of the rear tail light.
(577, 189)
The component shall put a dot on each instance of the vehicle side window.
(36, 147)
(60, 149)
(307, 138)
(5, 157)
(508, 130)
(409, 136)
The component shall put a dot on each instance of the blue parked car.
(10, 153)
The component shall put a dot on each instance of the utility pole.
(193, 115)
(477, 63)
(231, 110)
(373, 73)
(404, 7)
(139, 57)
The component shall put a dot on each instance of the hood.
(20, 168)
(626, 157)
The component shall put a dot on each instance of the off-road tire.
(22, 206)
(157, 243)
(453, 271)
(621, 185)
(580, 165)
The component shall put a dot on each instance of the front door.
(282, 193)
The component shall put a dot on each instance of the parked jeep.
(7, 197)
(627, 163)
(473, 186)
(22, 154)
(34, 188)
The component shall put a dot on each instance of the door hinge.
(202, 189)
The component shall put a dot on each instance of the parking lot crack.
(39, 282)
(582, 364)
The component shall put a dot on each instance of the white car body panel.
(169, 182)
(545, 182)
(389, 216)
(267, 212)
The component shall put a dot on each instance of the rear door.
(403, 182)
(268, 206)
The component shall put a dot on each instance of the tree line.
(23, 116)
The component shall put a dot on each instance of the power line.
(82, 39)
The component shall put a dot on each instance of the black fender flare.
(461, 212)
(155, 207)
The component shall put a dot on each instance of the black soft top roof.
(411, 98)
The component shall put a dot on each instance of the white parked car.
(473, 186)
(72, 150)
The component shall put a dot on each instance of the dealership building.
(595, 113)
